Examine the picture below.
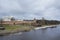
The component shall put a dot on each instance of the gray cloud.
(29, 9)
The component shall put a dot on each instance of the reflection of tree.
(43, 33)
(43, 30)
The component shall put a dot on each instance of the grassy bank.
(17, 28)
(14, 29)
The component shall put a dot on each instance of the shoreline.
(50, 26)
(5, 32)
(11, 32)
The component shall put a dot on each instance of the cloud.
(29, 9)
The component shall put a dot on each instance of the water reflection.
(42, 34)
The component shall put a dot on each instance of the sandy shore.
(51, 26)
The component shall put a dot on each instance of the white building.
(7, 18)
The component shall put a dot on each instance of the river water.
(41, 34)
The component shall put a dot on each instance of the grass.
(16, 27)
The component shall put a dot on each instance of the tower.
(43, 21)
(34, 20)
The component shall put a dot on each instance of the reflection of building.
(7, 18)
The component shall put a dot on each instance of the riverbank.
(15, 29)
(46, 26)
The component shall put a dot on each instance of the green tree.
(12, 19)
(1, 21)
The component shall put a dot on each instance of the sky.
(29, 9)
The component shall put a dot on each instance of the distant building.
(35, 22)
(7, 18)
(43, 21)
(18, 20)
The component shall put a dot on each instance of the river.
(41, 34)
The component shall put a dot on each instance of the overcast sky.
(29, 9)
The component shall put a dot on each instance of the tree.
(1, 21)
(12, 19)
